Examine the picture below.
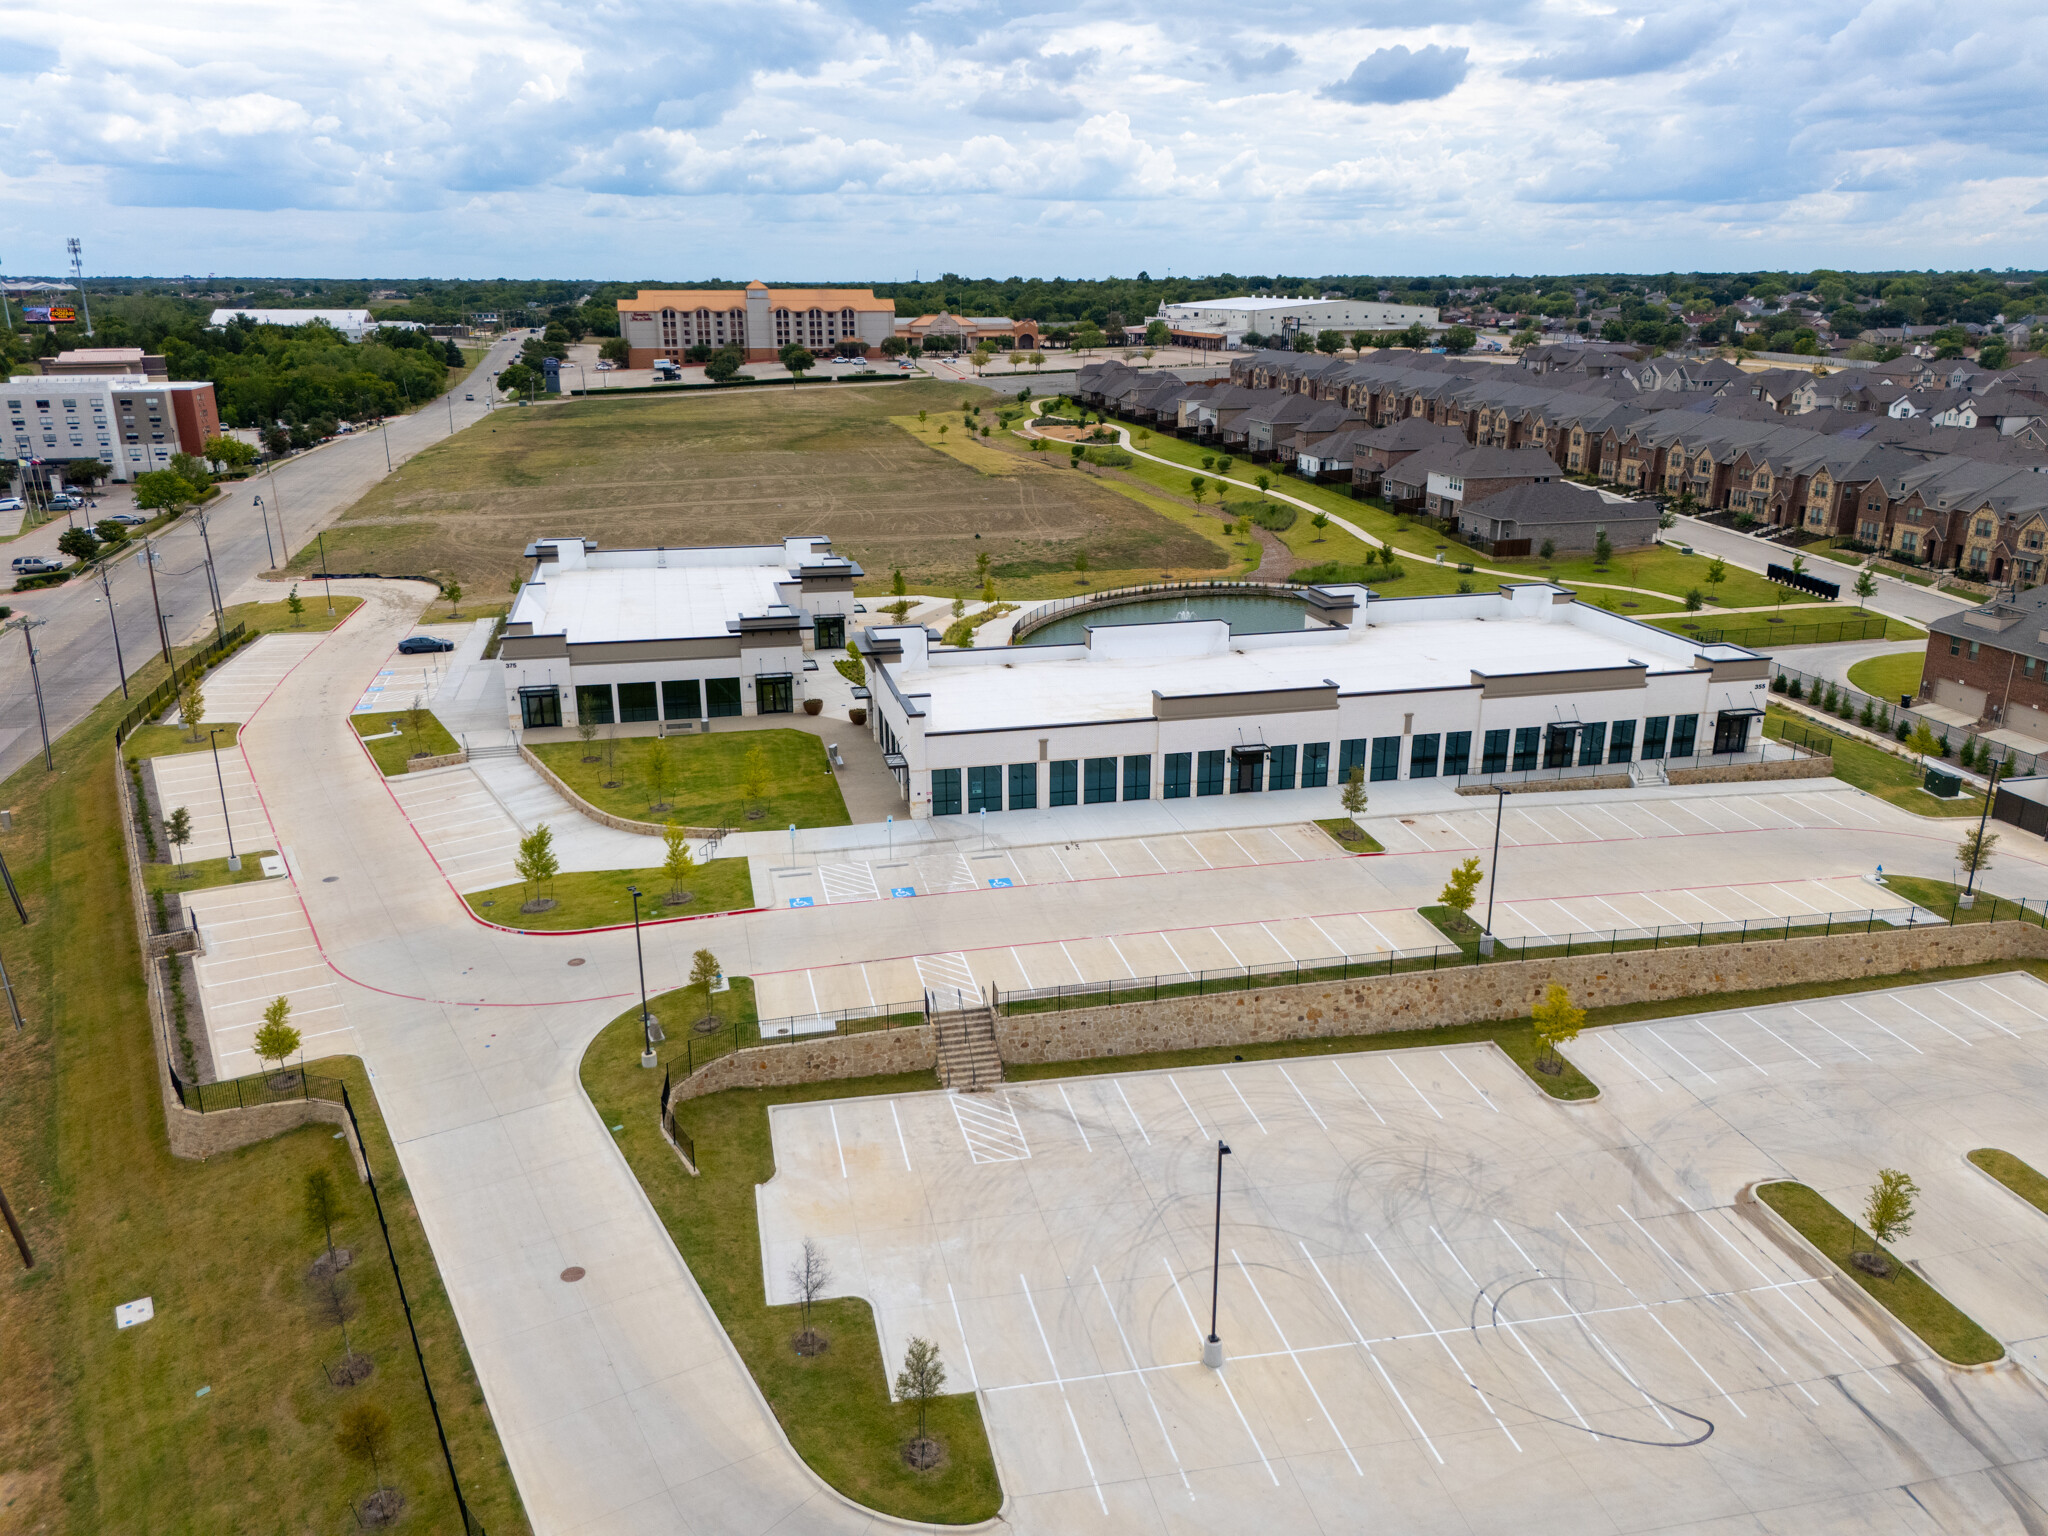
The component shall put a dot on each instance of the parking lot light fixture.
(1212, 1347)
(234, 859)
(1500, 810)
(326, 575)
(647, 1025)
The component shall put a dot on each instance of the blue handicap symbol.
(1000, 882)
(902, 890)
(800, 901)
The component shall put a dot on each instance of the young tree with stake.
(1557, 1020)
(452, 590)
(1973, 853)
(295, 605)
(809, 1274)
(179, 830)
(1461, 889)
(704, 973)
(1866, 586)
(319, 1205)
(276, 1040)
(754, 781)
(677, 864)
(1354, 792)
(1888, 1212)
(365, 1435)
(191, 707)
(536, 863)
(661, 772)
(919, 1381)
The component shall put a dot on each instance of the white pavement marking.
(1139, 1371)
(1086, 1459)
(1184, 1104)
(1651, 1313)
(1484, 1097)
(1306, 1380)
(990, 1129)
(1226, 948)
(837, 1146)
(1126, 964)
(1345, 1312)
(1446, 1343)
(1133, 1113)
(1418, 1092)
(1085, 1142)
(1222, 1379)
(1760, 1024)
(1300, 1095)
(1244, 1101)
(1829, 1032)
(1360, 1092)
(1585, 1323)
(1703, 1024)
(1980, 1014)
(973, 1380)
(1909, 1045)
(1934, 1021)
(902, 1145)
(1674, 1050)
(1501, 1319)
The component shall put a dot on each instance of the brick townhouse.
(1991, 664)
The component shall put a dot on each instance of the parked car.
(12, 504)
(125, 519)
(606, 367)
(63, 503)
(35, 565)
(415, 645)
(469, 397)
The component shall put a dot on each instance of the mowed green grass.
(595, 898)
(200, 874)
(745, 466)
(1938, 1322)
(393, 753)
(709, 774)
(2021, 1177)
(834, 1407)
(1890, 677)
(109, 1431)
(1900, 780)
(172, 740)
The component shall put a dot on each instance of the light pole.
(649, 1030)
(264, 513)
(325, 576)
(1500, 810)
(220, 622)
(26, 624)
(1212, 1347)
(163, 632)
(107, 592)
(234, 859)
(1969, 896)
(277, 502)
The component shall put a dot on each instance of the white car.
(606, 367)
(12, 504)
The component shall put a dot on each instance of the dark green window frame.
(1494, 753)
(594, 704)
(1315, 765)
(1528, 745)
(985, 788)
(1683, 729)
(682, 699)
(1386, 759)
(1592, 744)
(1174, 783)
(1621, 741)
(1457, 753)
(1209, 774)
(1098, 780)
(1422, 755)
(945, 791)
(1138, 776)
(1066, 782)
(1023, 786)
(1655, 730)
(1280, 768)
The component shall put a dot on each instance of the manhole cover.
(577, 961)
(573, 1273)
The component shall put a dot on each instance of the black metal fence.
(153, 703)
(682, 1139)
(1870, 626)
(1391, 962)
(731, 1035)
(1850, 705)
(258, 1088)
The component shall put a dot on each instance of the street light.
(1970, 887)
(325, 575)
(25, 624)
(1212, 1347)
(149, 559)
(234, 859)
(1500, 810)
(649, 1030)
(263, 512)
(107, 591)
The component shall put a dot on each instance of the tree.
(319, 1205)
(704, 973)
(1087, 336)
(1798, 564)
(86, 473)
(191, 707)
(1197, 490)
(1461, 889)
(1603, 548)
(1263, 481)
(1549, 548)
(754, 780)
(897, 587)
(179, 830)
(676, 863)
(1866, 585)
(982, 357)
(1973, 853)
(276, 1039)
(1081, 561)
(1888, 1212)
(536, 863)
(919, 1381)
(415, 716)
(615, 349)
(1459, 338)
(1038, 359)
(1223, 464)
(78, 543)
(1557, 1020)
(1330, 342)
(295, 605)
(452, 590)
(1319, 522)
(1923, 743)
(225, 453)
(365, 1435)
(1354, 792)
(894, 346)
(798, 360)
(517, 379)
(661, 772)
(1158, 334)
(724, 364)
(809, 1274)
(1695, 600)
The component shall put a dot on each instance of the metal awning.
(538, 690)
(896, 762)
(1249, 749)
(1741, 713)
(769, 677)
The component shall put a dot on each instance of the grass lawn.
(1910, 1299)
(1876, 771)
(594, 898)
(1814, 624)
(264, 618)
(834, 1407)
(394, 752)
(1939, 897)
(1890, 677)
(708, 772)
(109, 1431)
(170, 740)
(2021, 1178)
(1350, 836)
(201, 874)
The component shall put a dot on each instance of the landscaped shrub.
(1902, 731)
(1778, 683)
(1868, 719)
(1267, 514)
(1108, 458)
(1796, 691)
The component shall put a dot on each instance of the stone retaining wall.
(1468, 994)
(445, 760)
(1551, 786)
(873, 1053)
(603, 818)
(1806, 767)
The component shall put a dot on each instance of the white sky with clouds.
(837, 139)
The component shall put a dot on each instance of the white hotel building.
(1409, 688)
(129, 422)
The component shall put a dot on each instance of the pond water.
(1246, 616)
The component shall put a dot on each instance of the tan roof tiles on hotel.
(736, 298)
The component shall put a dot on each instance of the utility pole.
(25, 625)
(1212, 1347)
(6, 313)
(13, 1007)
(107, 591)
(163, 633)
(28, 1260)
(1500, 811)
(277, 506)
(220, 623)
(234, 859)
(78, 277)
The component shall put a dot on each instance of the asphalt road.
(1900, 599)
(75, 651)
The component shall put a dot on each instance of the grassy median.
(598, 898)
(393, 753)
(708, 787)
(2022, 1178)
(1886, 775)
(834, 1407)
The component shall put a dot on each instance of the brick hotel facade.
(759, 320)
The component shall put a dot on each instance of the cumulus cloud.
(1391, 75)
(1250, 66)
(1641, 46)
(1028, 106)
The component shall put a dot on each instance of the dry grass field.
(752, 466)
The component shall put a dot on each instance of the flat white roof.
(1254, 303)
(592, 607)
(1059, 687)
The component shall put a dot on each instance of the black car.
(414, 645)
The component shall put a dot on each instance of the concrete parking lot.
(1449, 1303)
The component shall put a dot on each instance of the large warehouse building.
(1231, 319)
(1411, 688)
(759, 320)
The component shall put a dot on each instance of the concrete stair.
(966, 1039)
(478, 754)
(1647, 775)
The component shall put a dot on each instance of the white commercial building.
(1233, 318)
(1425, 687)
(352, 323)
(654, 636)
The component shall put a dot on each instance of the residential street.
(75, 648)
(1900, 599)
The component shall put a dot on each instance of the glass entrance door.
(828, 632)
(1731, 733)
(773, 695)
(1250, 775)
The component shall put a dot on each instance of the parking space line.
(1226, 948)
(1526, 816)
(1703, 1024)
(973, 1380)
(1240, 847)
(1375, 930)
(1824, 1029)
(1626, 830)
(1345, 1312)
(1719, 915)
(1335, 947)
(1608, 1041)
(1568, 816)
(1484, 1097)
(1300, 1095)
(1360, 1092)
(1418, 1092)
(1724, 805)
(1809, 805)
(1461, 837)
(1626, 920)
(1107, 860)
(1803, 906)
(1060, 861)
(1139, 1371)
(1175, 953)
(2013, 1000)
(1244, 1101)
(1584, 1322)
(901, 1145)
(1126, 964)
(1446, 1343)
(837, 1146)
(1653, 901)
(1292, 853)
(1259, 1296)
(1085, 1142)
(1155, 857)
(1014, 956)
(1909, 1045)
(1086, 1460)
(1133, 1113)
(1184, 1104)
(1501, 1319)
(1934, 1021)
(1674, 1050)
(1070, 961)
(1184, 837)
(1222, 1379)
(1760, 1024)
(1980, 1014)
(1290, 954)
